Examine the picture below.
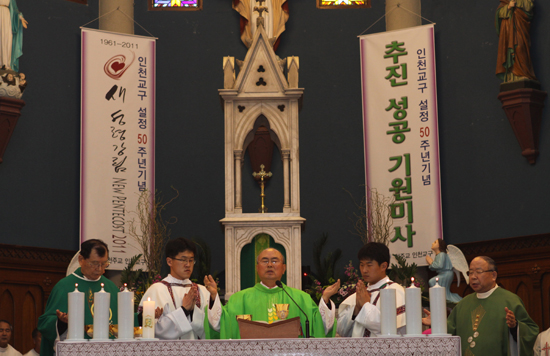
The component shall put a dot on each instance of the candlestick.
(75, 314)
(388, 313)
(102, 302)
(125, 314)
(438, 309)
(413, 308)
(149, 319)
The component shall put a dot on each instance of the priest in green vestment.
(491, 321)
(93, 259)
(260, 301)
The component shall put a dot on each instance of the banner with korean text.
(401, 135)
(117, 137)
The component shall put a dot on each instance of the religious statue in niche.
(12, 22)
(448, 259)
(513, 23)
(275, 18)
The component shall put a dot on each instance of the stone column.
(400, 18)
(116, 21)
(286, 180)
(238, 185)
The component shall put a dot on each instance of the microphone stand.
(280, 285)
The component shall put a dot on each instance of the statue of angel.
(445, 264)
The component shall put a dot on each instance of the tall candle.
(102, 301)
(388, 312)
(75, 314)
(149, 319)
(438, 309)
(126, 314)
(413, 308)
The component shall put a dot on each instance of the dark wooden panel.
(27, 276)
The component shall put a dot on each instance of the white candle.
(413, 308)
(149, 319)
(438, 309)
(75, 314)
(388, 312)
(102, 301)
(126, 314)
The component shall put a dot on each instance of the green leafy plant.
(137, 281)
(325, 267)
(204, 263)
(402, 272)
(347, 288)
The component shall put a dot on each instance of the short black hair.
(375, 251)
(35, 333)
(179, 245)
(7, 322)
(99, 246)
(492, 264)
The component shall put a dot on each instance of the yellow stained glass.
(341, 2)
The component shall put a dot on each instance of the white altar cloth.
(417, 346)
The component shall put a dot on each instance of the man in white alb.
(189, 310)
(5, 336)
(359, 314)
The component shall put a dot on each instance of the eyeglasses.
(479, 271)
(96, 264)
(273, 262)
(186, 260)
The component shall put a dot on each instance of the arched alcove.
(262, 96)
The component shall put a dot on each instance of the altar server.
(359, 314)
(189, 310)
(6, 330)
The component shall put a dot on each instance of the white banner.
(401, 135)
(117, 137)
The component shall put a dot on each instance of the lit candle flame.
(412, 280)
(125, 285)
(149, 299)
(76, 285)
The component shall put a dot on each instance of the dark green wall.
(489, 189)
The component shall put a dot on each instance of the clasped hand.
(362, 296)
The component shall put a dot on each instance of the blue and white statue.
(12, 23)
(445, 264)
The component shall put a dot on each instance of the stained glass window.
(175, 5)
(343, 4)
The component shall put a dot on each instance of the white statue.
(460, 265)
(11, 34)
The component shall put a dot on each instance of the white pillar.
(400, 18)
(286, 180)
(116, 21)
(238, 184)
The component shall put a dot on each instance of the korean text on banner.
(401, 135)
(117, 137)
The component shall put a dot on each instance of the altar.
(422, 345)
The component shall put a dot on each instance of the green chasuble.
(259, 301)
(58, 299)
(481, 324)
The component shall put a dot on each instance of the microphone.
(280, 285)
